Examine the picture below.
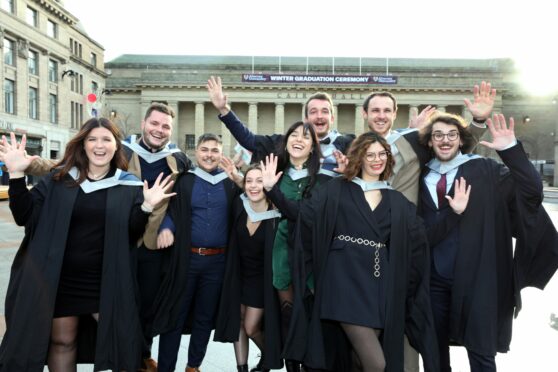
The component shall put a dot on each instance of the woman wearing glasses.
(369, 258)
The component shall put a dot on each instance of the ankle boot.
(292, 366)
(259, 367)
(242, 368)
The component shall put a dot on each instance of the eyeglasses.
(371, 156)
(439, 136)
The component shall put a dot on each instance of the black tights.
(367, 346)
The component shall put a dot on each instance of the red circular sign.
(91, 97)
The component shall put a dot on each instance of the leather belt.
(207, 251)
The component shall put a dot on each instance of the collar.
(447, 166)
(120, 178)
(368, 186)
(145, 154)
(212, 179)
(258, 216)
(394, 135)
(297, 174)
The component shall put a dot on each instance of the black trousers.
(440, 296)
(149, 276)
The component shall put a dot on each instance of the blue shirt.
(210, 215)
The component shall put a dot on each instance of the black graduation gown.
(228, 317)
(408, 302)
(115, 342)
(487, 276)
(170, 297)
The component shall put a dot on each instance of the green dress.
(281, 272)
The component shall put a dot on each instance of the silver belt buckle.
(200, 251)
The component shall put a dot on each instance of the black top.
(251, 262)
(80, 278)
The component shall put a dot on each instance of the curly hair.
(357, 152)
(75, 156)
(464, 133)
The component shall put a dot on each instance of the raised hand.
(420, 120)
(165, 239)
(460, 196)
(268, 171)
(230, 169)
(218, 98)
(14, 155)
(502, 135)
(483, 101)
(341, 160)
(154, 195)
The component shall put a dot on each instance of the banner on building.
(319, 79)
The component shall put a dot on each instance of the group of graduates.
(329, 252)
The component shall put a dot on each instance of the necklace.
(98, 176)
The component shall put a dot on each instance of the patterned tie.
(441, 191)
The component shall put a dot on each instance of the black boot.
(242, 368)
(292, 366)
(259, 367)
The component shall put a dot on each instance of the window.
(53, 108)
(77, 114)
(80, 84)
(52, 71)
(52, 29)
(94, 59)
(9, 52)
(94, 87)
(190, 142)
(33, 103)
(9, 96)
(8, 6)
(33, 62)
(32, 17)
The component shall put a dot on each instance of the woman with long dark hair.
(71, 296)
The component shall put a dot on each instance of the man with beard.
(380, 111)
(197, 228)
(318, 111)
(476, 275)
(147, 156)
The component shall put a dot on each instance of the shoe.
(259, 367)
(148, 365)
(192, 369)
(292, 366)
(242, 368)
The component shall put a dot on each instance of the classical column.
(279, 118)
(335, 117)
(466, 114)
(359, 120)
(253, 117)
(413, 112)
(176, 137)
(199, 120)
(302, 114)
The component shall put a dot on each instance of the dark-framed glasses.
(439, 136)
(371, 156)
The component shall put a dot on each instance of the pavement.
(533, 347)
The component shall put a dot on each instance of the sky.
(525, 32)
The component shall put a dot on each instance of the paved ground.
(533, 348)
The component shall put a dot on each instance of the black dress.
(80, 279)
(355, 279)
(251, 263)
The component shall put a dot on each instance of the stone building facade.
(268, 93)
(52, 74)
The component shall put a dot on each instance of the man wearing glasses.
(475, 275)
(380, 111)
